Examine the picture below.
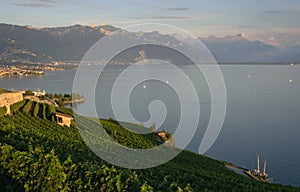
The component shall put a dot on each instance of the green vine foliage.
(37, 154)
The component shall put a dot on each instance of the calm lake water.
(263, 111)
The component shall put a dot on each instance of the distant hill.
(238, 49)
(47, 44)
(24, 43)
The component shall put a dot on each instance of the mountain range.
(28, 44)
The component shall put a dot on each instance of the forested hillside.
(37, 154)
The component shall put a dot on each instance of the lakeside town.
(33, 69)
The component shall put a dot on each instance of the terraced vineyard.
(37, 154)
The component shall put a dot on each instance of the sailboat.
(256, 173)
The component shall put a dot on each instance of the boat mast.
(258, 167)
(265, 166)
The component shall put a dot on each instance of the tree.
(28, 93)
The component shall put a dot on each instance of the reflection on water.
(263, 110)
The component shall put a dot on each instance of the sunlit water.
(263, 111)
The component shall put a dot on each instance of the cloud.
(36, 3)
(33, 5)
(140, 19)
(271, 38)
(135, 3)
(216, 27)
(176, 9)
(273, 41)
(246, 26)
(270, 11)
(164, 17)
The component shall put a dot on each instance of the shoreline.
(75, 101)
(244, 171)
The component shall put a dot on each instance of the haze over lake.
(263, 109)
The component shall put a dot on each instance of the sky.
(275, 22)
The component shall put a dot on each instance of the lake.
(263, 111)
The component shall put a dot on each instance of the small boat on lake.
(256, 173)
